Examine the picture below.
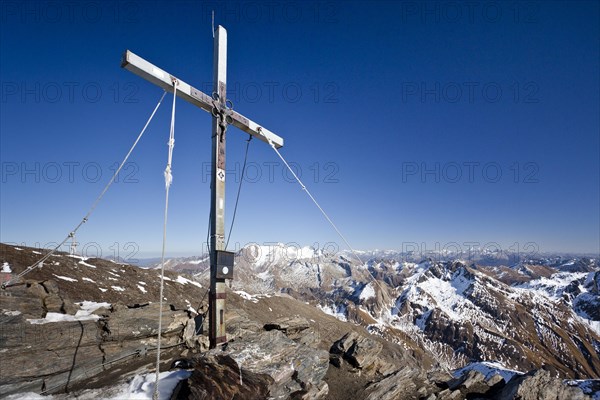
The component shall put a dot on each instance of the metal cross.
(223, 115)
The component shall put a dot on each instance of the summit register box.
(224, 264)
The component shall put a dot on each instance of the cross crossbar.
(136, 64)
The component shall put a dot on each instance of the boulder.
(361, 352)
(473, 382)
(295, 328)
(264, 365)
(539, 385)
(407, 383)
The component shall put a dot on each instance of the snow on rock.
(84, 314)
(88, 307)
(367, 292)
(86, 264)
(6, 268)
(140, 387)
(246, 296)
(142, 289)
(183, 281)
(65, 278)
(588, 386)
(118, 288)
(88, 279)
(339, 312)
(28, 396)
(489, 369)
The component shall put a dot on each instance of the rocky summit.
(302, 325)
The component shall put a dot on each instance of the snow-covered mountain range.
(518, 312)
(376, 326)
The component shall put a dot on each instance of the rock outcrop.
(539, 385)
(265, 365)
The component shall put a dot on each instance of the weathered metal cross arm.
(136, 64)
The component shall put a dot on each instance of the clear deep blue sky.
(426, 123)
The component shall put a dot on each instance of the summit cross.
(221, 261)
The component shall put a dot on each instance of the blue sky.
(415, 124)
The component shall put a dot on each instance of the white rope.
(318, 206)
(40, 262)
(168, 181)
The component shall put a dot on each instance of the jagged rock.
(473, 382)
(359, 351)
(295, 328)
(74, 350)
(407, 383)
(539, 385)
(53, 303)
(265, 365)
(239, 324)
(496, 380)
(27, 299)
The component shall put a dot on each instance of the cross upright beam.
(217, 333)
(223, 115)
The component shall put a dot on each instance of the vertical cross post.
(217, 332)
(223, 115)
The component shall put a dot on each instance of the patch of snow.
(11, 313)
(28, 396)
(102, 289)
(18, 248)
(6, 268)
(84, 314)
(35, 252)
(489, 369)
(588, 386)
(142, 283)
(183, 281)
(265, 275)
(140, 387)
(422, 319)
(86, 264)
(339, 312)
(196, 262)
(246, 296)
(367, 292)
(88, 307)
(88, 279)
(118, 288)
(142, 289)
(65, 278)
